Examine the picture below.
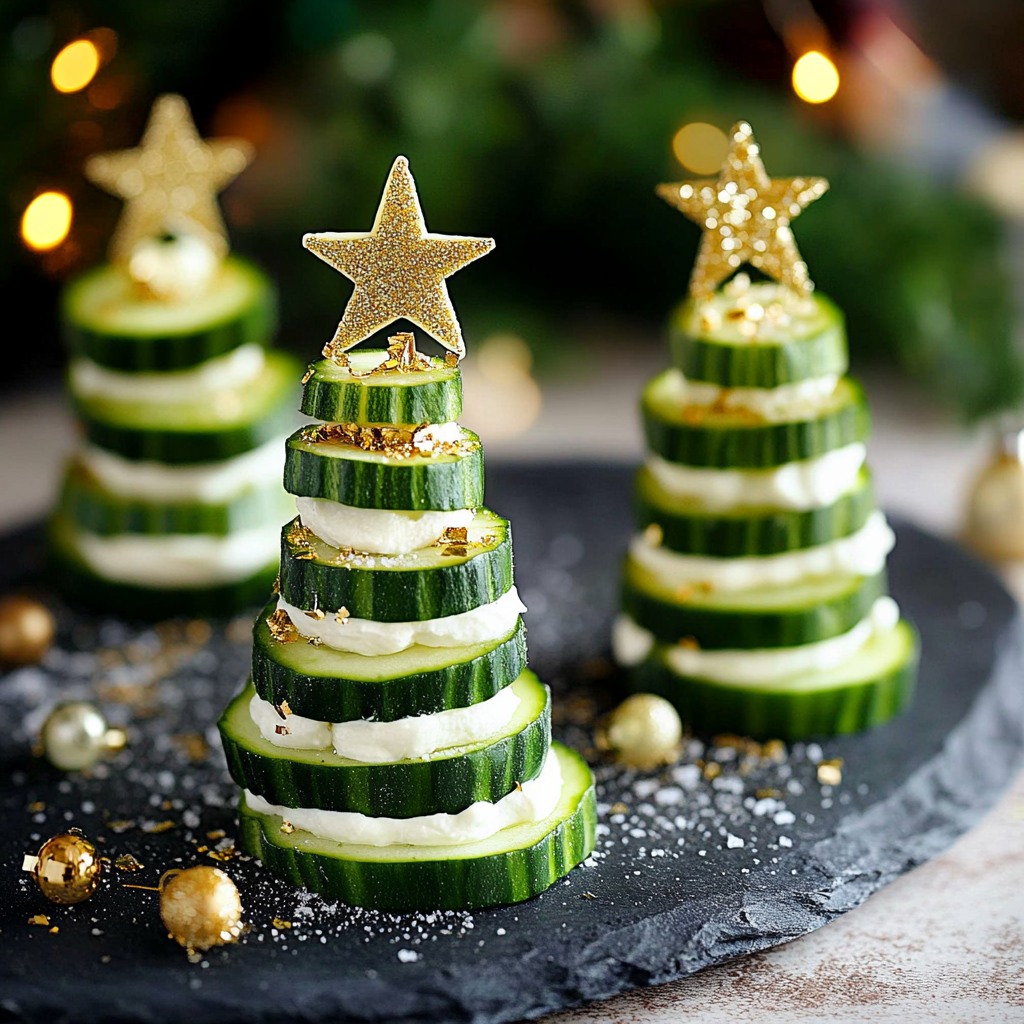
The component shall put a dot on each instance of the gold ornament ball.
(66, 868)
(26, 630)
(644, 731)
(75, 736)
(201, 908)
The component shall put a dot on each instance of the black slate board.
(690, 871)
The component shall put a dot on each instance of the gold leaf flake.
(455, 551)
(281, 924)
(342, 615)
(283, 709)
(310, 370)
(127, 862)
(287, 828)
(281, 627)
(456, 535)
(40, 920)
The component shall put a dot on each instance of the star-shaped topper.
(398, 269)
(169, 182)
(745, 217)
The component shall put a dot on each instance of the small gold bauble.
(994, 523)
(201, 908)
(26, 630)
(75, 736)
(66, 869)
(644, 731)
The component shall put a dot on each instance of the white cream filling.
(369, 637)
(631, 644)
(537, 799)
(810, 483)
(776, 405)
(375, 530)
(207, 481)
(179, 560)
(233, 370)
(860, 554)
(180, 269)
(386, 742)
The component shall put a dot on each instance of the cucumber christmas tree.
(755, 595)
(172, 503)
(393, 748)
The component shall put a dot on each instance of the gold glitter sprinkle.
(159, 826)
(300, 535)
(830, 773)
(283, 709)
(281, 627)
(745, 218)
(398, 269)
(281, 924)
(455, 535)
(127, 862)
(342, 615)
(287, 828)
(170, 181)
(451, 360)
(654, 535)
(40, 920)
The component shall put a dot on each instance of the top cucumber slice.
(811, 345)
(105, 319)
(334, 395)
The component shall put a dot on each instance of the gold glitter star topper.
(398, 269)
(745, 218)
(169, 183)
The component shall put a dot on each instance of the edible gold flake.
(170, 181)
(217, 833)
(455, 551)
(317, 614)
(773, 750)
(830, 773)
(398, 269)
(281, 627)
(745, 218)
(55, 929)
(299, 534)
(287, 828)
(120, 825)
(304, 555)
(127, 862)
(280, 923)
(519, 786)
(159, 826)
(618, 808)
(40, 920)
(451, 360)
(654, 535)
(688, 643)
(36, 807)
(310, 370)
(276, 588)
(283, 709)
(711, 770)
(455, 535)
(342, 615)
(588, 895)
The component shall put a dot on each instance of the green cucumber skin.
(402, 790)
(755, 532)
(708, 708)
(90, 506)
(450, 884)
(333, 699)
(159, 353)
(404, 486)
(364, 402)
(396, 594)
(81, 587)
(745, 628)
(760, 365)
(761, 445)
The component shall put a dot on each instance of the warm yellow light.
(815, 78)
(700, 147)
(75, 66)
(46, 221)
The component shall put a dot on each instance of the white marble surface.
(945, 942)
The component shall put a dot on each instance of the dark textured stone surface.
(688, 872)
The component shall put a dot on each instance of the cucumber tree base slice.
(513, 865)
(334, 686)
(814, 345)
(106, 319)
(91, 506)
(430, 583)
(82, 587)
(870, 688)
(688, 527)
(448, 781)
(207, 429)
(802, 613)
(367, 479)
(733, 439)
(334, 394)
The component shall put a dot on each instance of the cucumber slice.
(512, 865)
(730, 439)
(447, 782)
(769, 617)
(106, 319)
(84, 588)
(424, 584)
(345, 473)
(690, 529)
(88, 504)
(333, 686)
(333, 395)
(870, 688)
(814, 345)
(238, 420)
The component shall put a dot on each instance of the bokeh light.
(46, 221)
(75, 66)
(815, 78)
(700, 147)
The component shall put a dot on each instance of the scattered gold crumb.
(55, 929)
(451, 360)
(317, 614)
(712, 769)
(310, 370)
(455, 551)
(342, 615)
(287, 828)
(618, 808)
(120, 825)
(159, 826)
(280, 923)
(588, 895)
(128, 862)
(283, 709)
(40, 920)
(36, 807)
(217, 833)
(276, 588)
(281, 627)
(830, 773)
(455, 535)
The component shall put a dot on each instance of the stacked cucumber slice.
(393, 748)
(754, 593)
(172, 504)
